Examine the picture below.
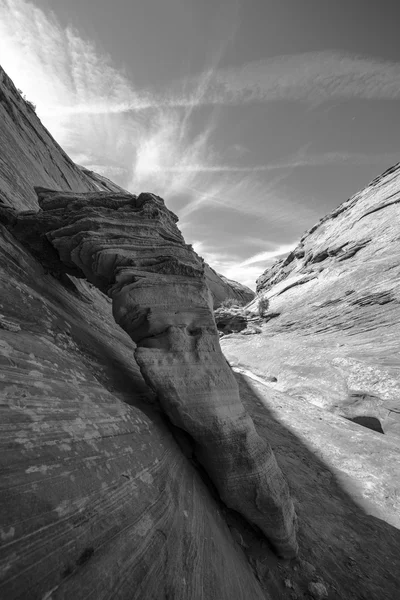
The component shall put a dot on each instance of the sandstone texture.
(338, 296)
(230, 320)
(97, 498)
(131, 249)
(30, 157)
(332, 347)
(236, 319)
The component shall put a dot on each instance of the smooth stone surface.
(336, 339)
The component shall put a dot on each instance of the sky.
(251, 118)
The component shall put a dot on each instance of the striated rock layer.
(338, 296)
(131, 249)
(96, 497)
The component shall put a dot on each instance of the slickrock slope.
(333, 347)
(338, 295)
(96, 498)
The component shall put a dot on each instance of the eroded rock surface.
(130, 248)
(338, 298)
(230, 320)
(96, 497)
(333, 348)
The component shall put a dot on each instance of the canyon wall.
(96, 495)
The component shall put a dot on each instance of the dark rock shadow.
(369, 422)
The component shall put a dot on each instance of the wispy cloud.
(246, 271)
(247, 195)
(308, 160)
(311, 77)
(268, 255)
(94, 110)
(87, 102)
(165, 141)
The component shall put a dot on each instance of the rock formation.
(334, 341)
(338, 294)
(96, 496)
(130, 248)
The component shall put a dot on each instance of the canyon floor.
(343, 476)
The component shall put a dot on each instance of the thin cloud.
(310, 160)
(311, 77)
(250, 196)
(158, 139)
(88, 104)
(246, 271)
(268, 255)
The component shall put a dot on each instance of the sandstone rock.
(131, 249)
(96, 496)
(318, 590)
(100, 495)
(222, 288)
(230, 320)
(344, 481)
(338, 296)
(334, 348)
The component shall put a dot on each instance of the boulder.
(230, 319)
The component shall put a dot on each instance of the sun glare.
(148, 160)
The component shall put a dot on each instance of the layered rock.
(131, 249)
(31, 157)
(336, 296)
(333, 350)
(96, 496)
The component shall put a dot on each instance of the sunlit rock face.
(328, 364)
(222, 288)
(131, 249)
(335, 340)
